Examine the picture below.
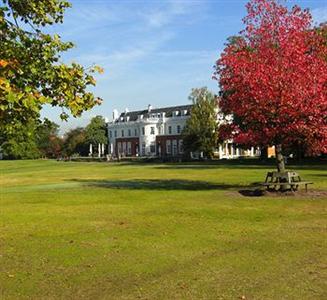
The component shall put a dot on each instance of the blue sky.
(153, 52)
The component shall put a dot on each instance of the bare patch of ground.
(272, 193)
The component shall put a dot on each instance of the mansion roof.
(183, 110)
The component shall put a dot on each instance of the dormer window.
(176, 113)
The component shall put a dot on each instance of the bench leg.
(306, 188)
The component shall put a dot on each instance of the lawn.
(73, 230)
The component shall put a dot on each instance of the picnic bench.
(288, 180)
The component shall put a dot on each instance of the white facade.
(157, 132)
(143, 128)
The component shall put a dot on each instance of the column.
(252, 152)
(221, 153)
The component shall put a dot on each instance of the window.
(174, 147)
(152, 148)
(135, 132)
(122, 133)
(169, 129)
(178, 129)
(159, 130)
(143, 131)
(168, 146)
(129, 148)
(143, 148)
(180, 146)
(115, 133)
(152, 130)
(129, 132)
(124, 148)
(110, 133)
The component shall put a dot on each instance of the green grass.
(155, 231)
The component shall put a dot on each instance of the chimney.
(149, 108)
(115, 115)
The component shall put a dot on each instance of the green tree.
(96, 131)
(48, 141)
(31, 71)
(200, 132)
(21, 144)
(75, 142)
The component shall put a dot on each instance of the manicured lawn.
(155, 231)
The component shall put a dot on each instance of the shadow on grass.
(252, 193)
(244, 164)
(200, 166)
(158, 184)
(319, 175)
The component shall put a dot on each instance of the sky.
(153, 52)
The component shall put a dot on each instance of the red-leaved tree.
(273, 78)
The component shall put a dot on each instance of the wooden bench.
(285, 179)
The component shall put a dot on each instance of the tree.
(48, 141)
(273, 79)
(75, 142)
(200, 132)
(21, 144)
(31, 72)
(96, 132)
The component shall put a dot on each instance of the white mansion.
(157, 133)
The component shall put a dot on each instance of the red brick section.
(162, 139)
(134, 141)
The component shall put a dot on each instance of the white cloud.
(170, 11)
(137, 46)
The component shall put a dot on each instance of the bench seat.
(292, 184)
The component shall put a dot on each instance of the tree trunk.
(264, 153)
(280, 158)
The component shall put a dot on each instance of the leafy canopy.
(96, 132)
(273, 79)
(47, 139)
(200, 132)
(22, 145)
(75, 142)
(31, 72)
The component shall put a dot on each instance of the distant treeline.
(42, 140)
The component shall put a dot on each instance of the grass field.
(155, 231)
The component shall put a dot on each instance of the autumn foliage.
(273, 78)
(32, 73)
